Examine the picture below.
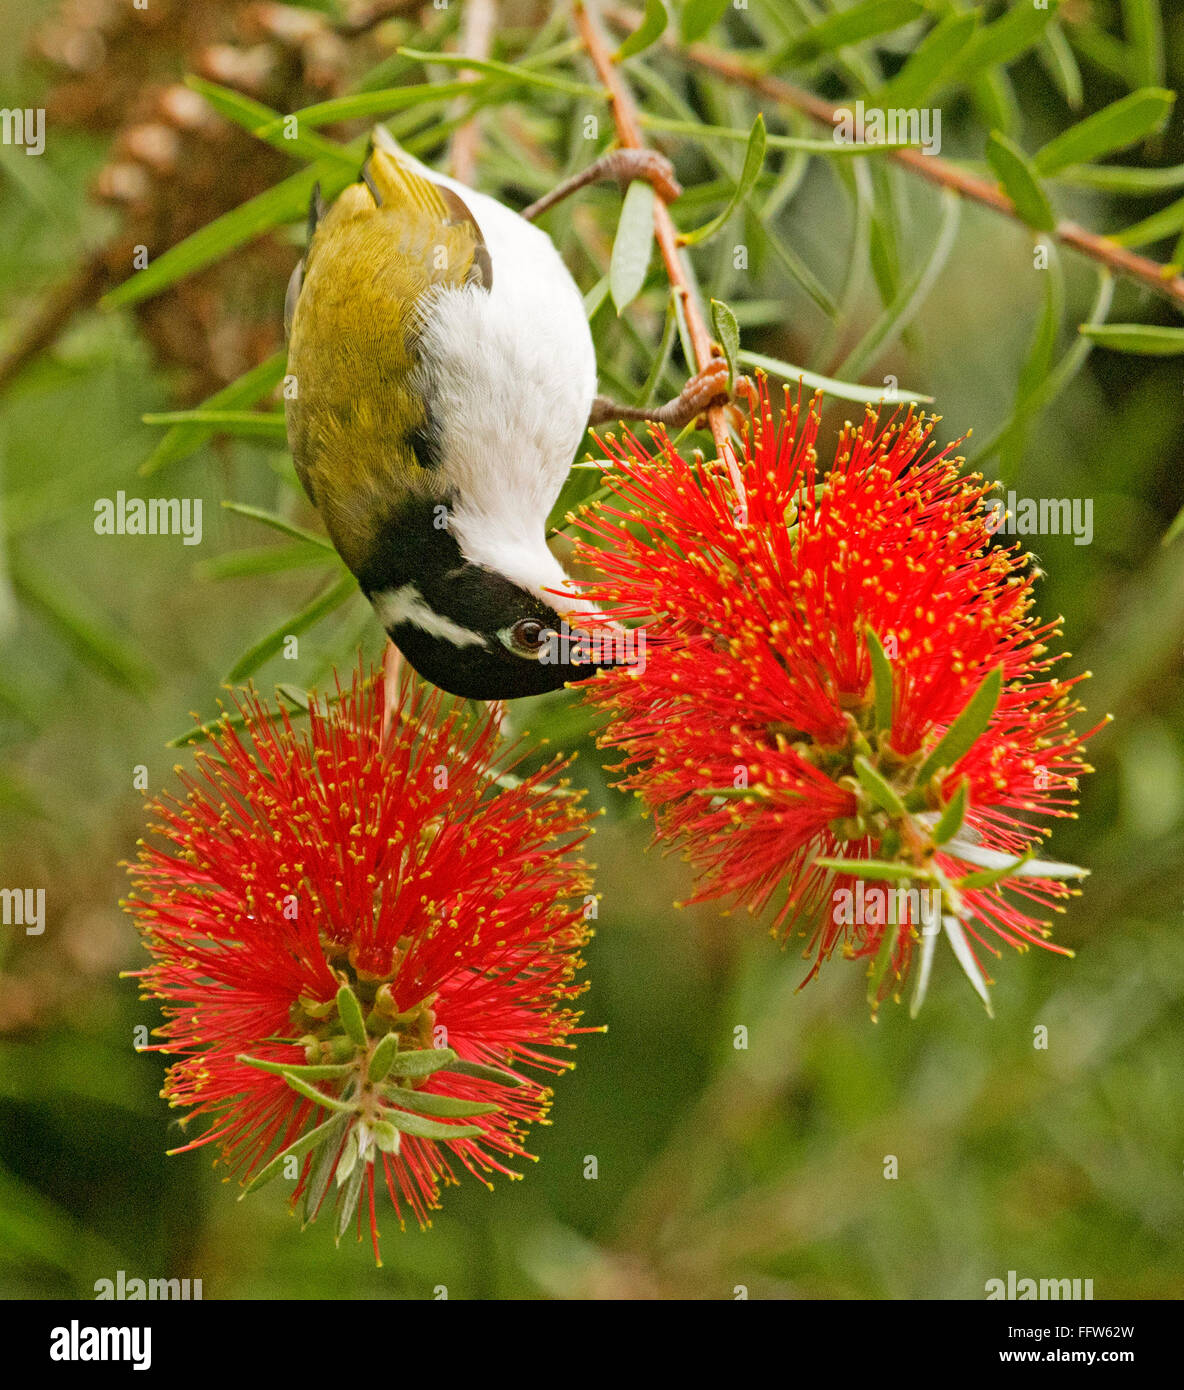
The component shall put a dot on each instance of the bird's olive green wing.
(356, 424)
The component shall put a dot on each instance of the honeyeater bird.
(443, 376)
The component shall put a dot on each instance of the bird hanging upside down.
(444, 377)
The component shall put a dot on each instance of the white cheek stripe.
(406, 605)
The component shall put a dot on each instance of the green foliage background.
(717, 1167)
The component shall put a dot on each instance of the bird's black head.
(465, 627)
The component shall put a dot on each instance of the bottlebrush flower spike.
(358, 944)
(846, 701)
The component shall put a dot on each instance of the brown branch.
(629, 133)
(930, 167)
(51, 318)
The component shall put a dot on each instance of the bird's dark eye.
(527, 636)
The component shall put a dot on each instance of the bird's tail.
(394, 177)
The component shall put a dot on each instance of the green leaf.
(285, 202)
(255, 118)
(266, 647)
(485, 1073)
(85, 628)
(424, 1061)
(869, 868)
(246, 424)
(952, 815)
(1165, 223)
(965, 731)
(363, 105)
(549, 80)
(926, 69)
(1004, 865)
(843, 390)
(1060, 62)
(632, 245)
(263, 559)
(184, 440)
(882, 792)
(650, 30)
(322, 1170)
(698, 16)
(899, 314)
(1146, 339)
(998, 44)
(278, 523)
(727, 331)
(1121, 178)
(382, 1058)
(320, 1071)
(1143, 28)
(754, 157)
(422, 1128)
(303, 1088)
(428, 1103)
(865, 20)
(882, 679)
(298, 1149)
(1020, 182)
(1113, 128)
(349, 1011)
(386, 1136)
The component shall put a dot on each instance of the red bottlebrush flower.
(845, 692)
(367, 935)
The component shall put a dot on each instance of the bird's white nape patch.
(407, 605)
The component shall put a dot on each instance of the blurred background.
(717, 1169)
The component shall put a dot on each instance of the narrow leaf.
(842, 390)
(965, 731)
(423, 1128)
(485, 1073)
(278, 523)
(882, 679)
(424, 1061)
(428, 1103)
(1149, 340)
(727, 330)
(283, 133)
(925, 70)
(1124, 121)
(298, 1149)
(349, 1011)
(650, 30)
(868, 868)
(882, 792)
(1020, 182)
(952, 815)
(865, 20)
(632, 245)
(754, 157)
(318, 1098)
(930, 931)
(266, 647)
(247, 424)
(383, 1057)
(1165, 223)
(318, 1071)
(998, 44)
(184, 440)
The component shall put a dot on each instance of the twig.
(629, 133)
(936, 170)
(476, 41)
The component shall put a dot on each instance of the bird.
(441, 376)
